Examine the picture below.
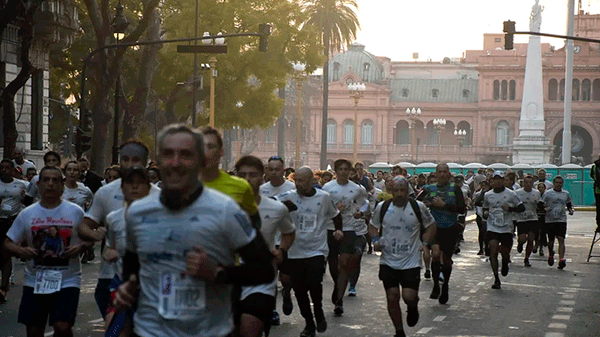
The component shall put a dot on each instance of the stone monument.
(532, 146)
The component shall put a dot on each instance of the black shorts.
(35, 309)
(393, 278)
(505, 239)
(307, 271)
(526, 227)
(446, 239)
(334, 245)
(347, 243)
(258, 305)
(556, 229)
(360, 243)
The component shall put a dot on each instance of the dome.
(358, 61)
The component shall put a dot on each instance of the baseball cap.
(498, 173)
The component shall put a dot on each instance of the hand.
(73, 250)
(199, 265)
(99, 234)
(377, 247)
(358, 215)
(28, 253)
(505, 207)
(127, 294)
(571, 212)
(438, 202)
(338, 234)
(340, 206)
(279, 256)
(111, 255)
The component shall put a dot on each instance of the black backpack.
(413, 204)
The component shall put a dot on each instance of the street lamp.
(119, 26)
(413, 115)
(299, 75)
(213, 63)
(356, 91)
(460, 136)
(439, 124)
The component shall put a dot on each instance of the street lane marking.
(562, 317)
(571, 290)
(464, 298)
(557, 326)
(568, 296)
(439, 318)
(94, 321)
(474, 290)
(488, 278)
(567, 302)
(424, 331)
(554, 334)
(565, 309)
(481, 283)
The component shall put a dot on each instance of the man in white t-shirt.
(528, 224)
(541, 175)
(182, 245)
(306, 257)
(20, 161)
(32, 195)
(348, 197)
(498, 206)
(53, 272)
(258, 302)
(398, 237)
(557, 202)
(380, 182)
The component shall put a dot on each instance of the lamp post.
(119, 25)
(413, 115)
(439, 124)
(356, 91)
(460, 136)
(219, 41)
(299, 77)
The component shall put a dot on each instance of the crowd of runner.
(188, 249)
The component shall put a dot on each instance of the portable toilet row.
(381, 166)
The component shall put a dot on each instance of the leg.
(521, 241)
(530, 238)
(411, 299)
(481, 234)
(597, 197)
(301, 293)
(63, 329)
(286, 283)
(35, 331)
(333, 262)
(561, 247)
(493, 244)
(345, 268)
(393, 305)
(551, 236)
(315, 288)
(355, 272)
(435, 270)
(427, 261)
(6, 270)
(250, 326)
(102, 295)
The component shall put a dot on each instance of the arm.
(460, 206)
(257, 267)
(429, 234)
(89, 230)
(337, 222)
(16, 250)
(520, 208)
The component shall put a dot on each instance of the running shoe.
(287, 306)
(400, 333)
(339, 310)
(562, 264)
(321, 322)
(275, 319)
(526, 263)
(520, 247)
(551, 260)
(435, 293)
(441, 277)
(534, 249)
(309, 331)
(496, 285)
(444, 296)
(412, 316)
(427, 274)
(352, 291)
(480, 252)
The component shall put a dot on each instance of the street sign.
(187, 48)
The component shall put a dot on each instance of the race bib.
(7, 207)
(556, 213)
(530, 215)
(498, 218)
(399, 247)
(47, 281)
(308, 223)
(181, 298)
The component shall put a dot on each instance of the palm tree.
(337, 21)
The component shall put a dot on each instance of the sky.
(446, 28)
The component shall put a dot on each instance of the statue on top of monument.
(535, 20)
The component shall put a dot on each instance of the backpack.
(413, 204)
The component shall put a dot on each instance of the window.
(498, 40)
(553, 90)
(512, 88)
(596, 90)
(348, 135)
(366, 68)
(435, 93)
(575, 96)
(402, 133)
(586, 89)
(504, 90)
(465, 93)
(367, 132)
(37, 109)
(561, 90)
(405, 92)
(331, 131)
(336, 71)
(496, 90)
(270, 135)
(502, 133)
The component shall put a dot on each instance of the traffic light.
(62, 147)
(265, 30)
(83, 141)
(86, 121)
(509, 34)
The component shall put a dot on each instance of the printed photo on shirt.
(51, 242)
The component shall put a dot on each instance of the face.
(135, 189)
(542, 175)
(326, 178)
(399, 191)
(528, 184)
(360, 170)
(389, 184)
(379, 175)
(153, 176)
(275, 170)
(252, 175)
(19, 156)
(353, 175)
(30, 174)
(343, 172)
(112, 175)
(50, 184)
(83, 166)
(303, 182)
(6, 170)
(508, 182)
(52, 161)
(130, 161)
(498, 182)
(558, 184)
(178, 161)
(72, 171)
(443, 174)
(542, 188)
(421, 180)
(212, 151)
(396, 172)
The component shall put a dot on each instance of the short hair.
(340, 162)
(541, 170)
(71, 162)
(442, 165)
(396, 167)
(172, 129)
(359, 163)
(327, 173)
(379, 171)
(50, 154)
(83, 160)
(512, 176)
(557, 177)
(31, 169)
(481, 170)
(5, 160)
(528, 176)
(136, 142)
(276, 158)
(212, 131)
(251, 161)
(135, 171)
(50, 168)
(540, 184)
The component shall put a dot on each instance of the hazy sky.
(439, 28)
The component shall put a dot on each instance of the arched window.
(404, 92)
(366, 68)
(432, 134)
(502, 133)
(367, 132)
(464, 125)
(596, 90)
(435, 93)
(575, 96)
(465, 93)
(561, 90)
(496, 90)
(331, 131)
(512, 90)
(586, 89)
(270, 135)
(336, 71)
(504, 90)
(402, 133)
(348, 134)
(552, 89)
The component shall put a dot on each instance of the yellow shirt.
(383, 196)
(237, 188)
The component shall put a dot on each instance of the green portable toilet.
(381, 166)
(425, 168)
(526, 168)
(410, 167)
(499, 167)
(455, 168)
(588, 187)
(573, 176)
(551, 170)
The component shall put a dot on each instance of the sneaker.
(427, 274)
(551, 260)
(480, 252)
(444, 296)
(412, 316)
(534, 249)
(562, 264)
(496, 285)
(275, 319)
(526, 263)
(309, 331)
(321, 322)
(287, 306)
(504, 269)
(435, 293)
(400, 333)
(456, 250)
(338, 310)
(520, 247)
(441, 277)
(352, 292)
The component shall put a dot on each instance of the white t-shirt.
(361, 224)
(267, 189)
(379, 184)
(310, 220)
(548, 184)
(32, 190)
(352, 196)
(35, 225)
(530, 200)
(116, 237)
(171, 305)
(275, 218)
(82, 196)
(401, 235)
(11, 197)
(27, 164)
(108, 198)
(556, 205)
(499, 220)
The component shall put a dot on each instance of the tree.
(337, 23)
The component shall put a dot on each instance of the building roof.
(357, 60)
(422, 90)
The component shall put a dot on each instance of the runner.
(75, 191)
(397, 227)
(362, 238)
(484, 187)
(306, 257)
(348, 198)
(556, 201)
(498, 203)
(541, 173)
(528, 225)
(258, 303)
(32, 195)
(53, 277)
(446, 202)
(181, 248)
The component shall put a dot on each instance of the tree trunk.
(323, 158)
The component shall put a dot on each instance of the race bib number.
(6, 207)
(556, 213)
(498, 218)
(47, 281)
(181, 298)
(308, 223)
(399, 247)
(530, 215)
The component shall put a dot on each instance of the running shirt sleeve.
(330, 210)
(428, 219)
(237, 227)
(376, 215)
(96, 210)
(32, 190)
(17, 231)
(88, 197)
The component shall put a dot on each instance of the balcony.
(56, 22)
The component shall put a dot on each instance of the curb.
(585, 208)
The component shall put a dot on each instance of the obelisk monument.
(532, 146)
